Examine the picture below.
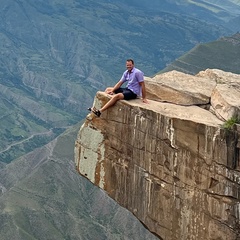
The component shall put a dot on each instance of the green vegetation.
(21, 146)
(230, 123)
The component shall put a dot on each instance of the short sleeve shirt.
(133, 79)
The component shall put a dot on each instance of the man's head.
(129, 64)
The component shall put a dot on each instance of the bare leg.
(112, 101)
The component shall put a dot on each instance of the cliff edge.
(171, 162)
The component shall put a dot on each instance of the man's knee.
(118, 96)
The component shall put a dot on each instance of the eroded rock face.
(173, 166)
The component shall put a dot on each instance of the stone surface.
(225, 101)
(212, 86)
(220, 76)
(225, 98)
(180, 88)
(175, 167)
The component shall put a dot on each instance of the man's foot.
(95, 111)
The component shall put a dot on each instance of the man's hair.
(130, 60)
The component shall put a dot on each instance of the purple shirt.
(133, 79)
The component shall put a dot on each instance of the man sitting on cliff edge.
(135, 87)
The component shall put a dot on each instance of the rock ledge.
(170, 162)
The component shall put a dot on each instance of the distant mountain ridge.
(225, 12)
(221, 54)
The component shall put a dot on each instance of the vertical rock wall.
(180, 177)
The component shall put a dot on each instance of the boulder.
(212, 86)
(225, 101)
(225, 98)
(180, 88)
(220, 76)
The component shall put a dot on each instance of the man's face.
(129, 65)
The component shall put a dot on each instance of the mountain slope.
(55, 55)
(43, 197)
(221, 54)
(223, 12)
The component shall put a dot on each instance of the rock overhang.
(172, 157)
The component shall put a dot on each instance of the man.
(135, 87)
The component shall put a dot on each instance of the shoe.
(95, 111)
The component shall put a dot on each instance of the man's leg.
(112, 101)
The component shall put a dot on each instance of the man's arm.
(144, 99)
(110, 90)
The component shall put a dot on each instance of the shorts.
(127, 93)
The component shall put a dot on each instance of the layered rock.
(170, 162)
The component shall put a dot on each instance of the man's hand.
(109, 90)
(144, 99)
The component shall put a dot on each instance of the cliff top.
(211, 97)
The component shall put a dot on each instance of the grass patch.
(230, 122)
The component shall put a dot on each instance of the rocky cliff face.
(170, 162)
